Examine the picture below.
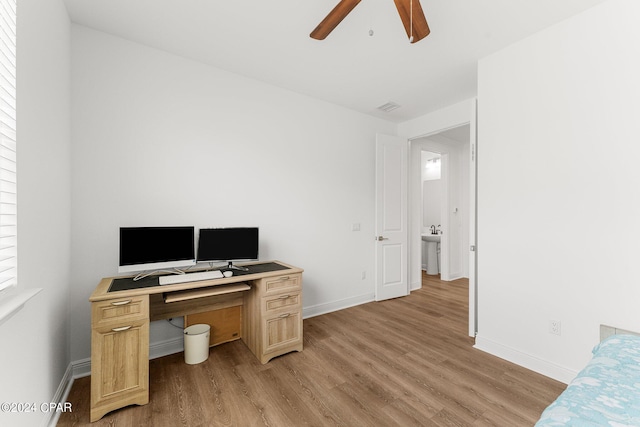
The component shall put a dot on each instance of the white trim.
(13, 300)
(472, 270)
(51, 419)
(167, 347)
(81, 368)
(329, 307)
(525, 360)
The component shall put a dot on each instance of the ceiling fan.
(415, 24)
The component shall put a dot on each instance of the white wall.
(558, 189)
(35, 342)
(161, 140)
(437, 121)
(431, 204)
(431, 190)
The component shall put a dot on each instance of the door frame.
(463, 113)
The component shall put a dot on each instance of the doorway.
(461, 117)
(434, 205)
(448, 151)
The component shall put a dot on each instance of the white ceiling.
(269, 40)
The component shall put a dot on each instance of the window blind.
(8, 205)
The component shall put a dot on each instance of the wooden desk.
(271, 325)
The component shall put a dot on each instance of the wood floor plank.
(402, 362)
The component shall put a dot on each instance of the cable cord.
(174, 325)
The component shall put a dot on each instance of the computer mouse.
(227, 273)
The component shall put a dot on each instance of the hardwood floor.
(401, 362)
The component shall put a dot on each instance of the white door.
(473, 284)
(391, 217)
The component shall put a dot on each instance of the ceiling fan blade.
(334, 17)
(420, 26)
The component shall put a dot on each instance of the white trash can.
(196, 344)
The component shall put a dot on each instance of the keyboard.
(190, 277)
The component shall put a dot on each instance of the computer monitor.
(228, 245)
(156, 248)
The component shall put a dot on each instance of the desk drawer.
(285, 301)
(120, 310)
(282, 284)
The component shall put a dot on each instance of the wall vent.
(389, 107)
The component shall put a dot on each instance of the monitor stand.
(148, 273)
(230, 266)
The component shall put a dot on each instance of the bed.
(606, 392)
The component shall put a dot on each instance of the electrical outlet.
(555, 327)
(364, 274)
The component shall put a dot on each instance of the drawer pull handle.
(284, 278)
(121, 302)
(284, 316)
(285, 297)
(124, 328)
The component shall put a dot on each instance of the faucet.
(433, 229)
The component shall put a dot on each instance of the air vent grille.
(388, 107)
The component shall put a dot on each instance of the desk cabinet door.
(282, 331)
(119, 366)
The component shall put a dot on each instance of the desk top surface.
(124, 287)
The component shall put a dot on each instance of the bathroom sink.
(428, 237)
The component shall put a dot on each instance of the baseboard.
(60, 396)
(167, 347)
(329, 307)
(81, 368)
(525, 360)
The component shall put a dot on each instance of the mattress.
(605, 393)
